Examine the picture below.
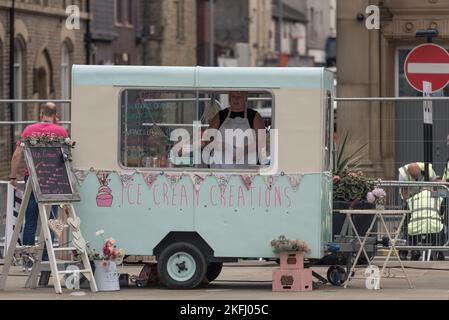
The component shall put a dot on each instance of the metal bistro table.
(378, 215)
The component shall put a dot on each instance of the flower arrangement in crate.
(283, 244)
(377, 196)
(291, 252)
(48, 140)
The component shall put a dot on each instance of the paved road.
(251, 280)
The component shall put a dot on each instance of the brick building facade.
(133, 32)
(173, 33)
(44, 50)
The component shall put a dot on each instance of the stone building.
(172, 34)
(293, 44)
(43, 52)
(319, 28)
(370, 63)
(113, 32)
(241, 32)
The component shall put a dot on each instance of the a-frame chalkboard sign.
(51, 173)
(53, 183)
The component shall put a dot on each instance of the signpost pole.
(427, 92)
(428, 128)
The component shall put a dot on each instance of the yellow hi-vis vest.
(446, 173)
(425, 217)
(405, 175)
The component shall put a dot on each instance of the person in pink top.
(47, 125)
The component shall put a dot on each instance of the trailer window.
(194, 129)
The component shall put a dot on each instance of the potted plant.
(105, 264)
(291, 252)
(350, 186)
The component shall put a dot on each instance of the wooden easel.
(45, 239)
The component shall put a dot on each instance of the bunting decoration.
(80, 175)
(102, 177)
(270, 181)
(173, 179)
(247, 180)
(222, 181)
(295, 181)
(197, 180)
(150, 178)
(126, 177)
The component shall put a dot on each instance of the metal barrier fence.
(3, 204)
(426, 228)
(392, 130)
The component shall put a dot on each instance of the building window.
(119, 12)
(18, 86)
(124, 12)
(129, 12)
(65, 80)
(180, 19)
(149, 119)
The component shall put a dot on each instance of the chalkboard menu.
(51, 174)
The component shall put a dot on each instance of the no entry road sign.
(427, 62)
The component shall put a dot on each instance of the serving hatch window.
(197, 129)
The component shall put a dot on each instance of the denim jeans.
(31, 218)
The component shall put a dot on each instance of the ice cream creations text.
(162, 194)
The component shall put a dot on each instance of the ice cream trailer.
(126, 121)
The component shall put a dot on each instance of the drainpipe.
(146, 32)
(281, 25)
(12, 18)
(211, 34)
(88, 40)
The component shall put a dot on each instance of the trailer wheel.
(213, 270)
(181, 265)
(336, 275)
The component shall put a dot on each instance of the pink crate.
(292, 280)
(292, 260)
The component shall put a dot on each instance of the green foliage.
(341, 162)
(351, 186)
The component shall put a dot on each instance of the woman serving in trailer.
(230, 121)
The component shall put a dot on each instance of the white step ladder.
(45, 239)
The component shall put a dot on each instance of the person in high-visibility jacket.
(425, 226)
(414, 172)
(445, 176)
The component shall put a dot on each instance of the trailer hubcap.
(181, 266)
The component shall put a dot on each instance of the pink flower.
(379, 193)
(370, 197)
(353, 174)
(106, 251)
(336, 179)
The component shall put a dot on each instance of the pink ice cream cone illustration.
(104, 197)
